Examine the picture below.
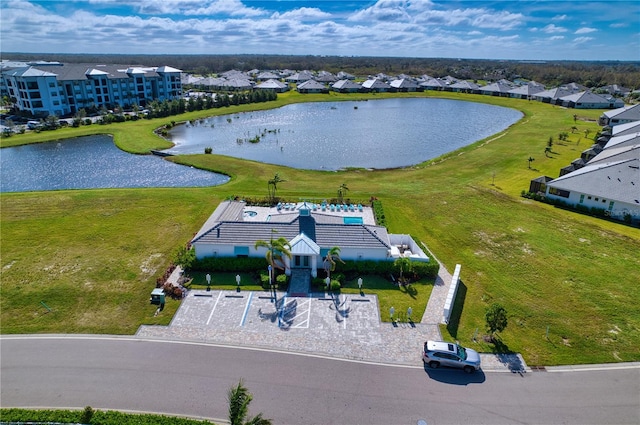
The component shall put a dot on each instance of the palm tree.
(332, 256)
(272, 186)
(341, 191)
(277, 249)
(531, 159)
(404, 263)
(239, 398)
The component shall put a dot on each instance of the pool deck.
(264, 214)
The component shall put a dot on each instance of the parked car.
(437, 353)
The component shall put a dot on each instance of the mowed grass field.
(569, 282)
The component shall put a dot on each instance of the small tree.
(531, 159)
(332, 256)
(87, 414)
(342, 190)
(239, 399)
(547, 151)
(272, 186)
(496, 317)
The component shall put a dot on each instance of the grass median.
(568, 281)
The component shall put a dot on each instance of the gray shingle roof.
(618, 180)
(225, 227)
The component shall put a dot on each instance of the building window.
(611, 205)
(604, 201)
(559, 192)
(581, 198)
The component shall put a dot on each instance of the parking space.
(257, 311)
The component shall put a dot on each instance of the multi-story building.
(53, 88)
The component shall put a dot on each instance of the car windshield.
(462, 353)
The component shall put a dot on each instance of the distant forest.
(550, 73)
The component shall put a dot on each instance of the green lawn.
(93, 256)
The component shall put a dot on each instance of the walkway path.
(344, 326)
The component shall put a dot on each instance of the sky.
(511, 30)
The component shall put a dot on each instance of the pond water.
(89, 163)
(385, 133)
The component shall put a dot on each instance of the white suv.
(438, 353)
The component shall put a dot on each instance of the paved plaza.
(346, 326)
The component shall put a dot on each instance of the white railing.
(451, 296)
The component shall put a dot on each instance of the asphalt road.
(193, 379)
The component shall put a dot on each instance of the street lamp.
(208, 276)
(271, 283)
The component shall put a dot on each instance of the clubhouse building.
(311, 230)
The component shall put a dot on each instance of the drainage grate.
(538, 369)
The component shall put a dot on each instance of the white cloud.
(552, 29)
(556, 37)
(559, 18)
(585, 30)
(581, 40)
(302, 14)
(383, 10)
(619, 25)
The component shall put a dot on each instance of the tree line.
(551, 73)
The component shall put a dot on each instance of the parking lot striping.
(299, 326)
(214, 307)
(246, 309)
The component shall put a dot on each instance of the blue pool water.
(353, 220)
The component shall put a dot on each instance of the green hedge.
(98, 418)
(385, 268)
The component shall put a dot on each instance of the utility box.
(157, 296)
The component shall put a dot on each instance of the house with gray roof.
(586, 100)
(463, 86)
(346, 86)
(552, 95)
(405, 85)
(499, 88)
(623, 115)
(375, 85)
(433, 84)
(299, 77)
(312, 86)
(273, 85)
(612, 186)
(311, 230)
(627, 128)
(345, 76)
(526, 91)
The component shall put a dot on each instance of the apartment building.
(54, 88)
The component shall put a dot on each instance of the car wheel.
(434, 365)
(469, 369)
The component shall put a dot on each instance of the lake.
(385, 133)
(89, 163)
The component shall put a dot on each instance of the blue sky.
(524, 30)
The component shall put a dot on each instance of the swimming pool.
(353, 220)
